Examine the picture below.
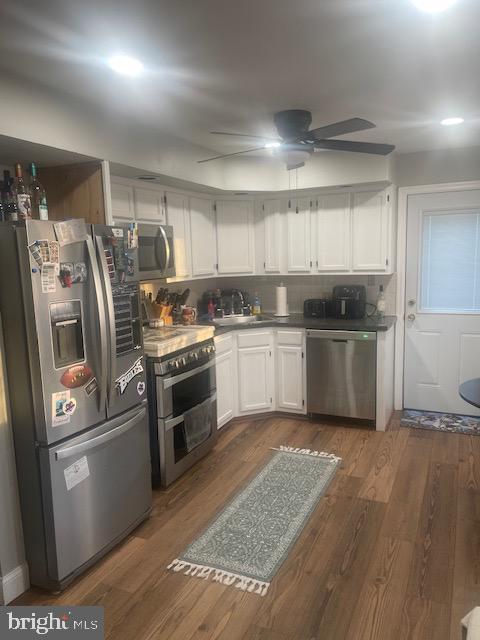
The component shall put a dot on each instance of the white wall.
(433, 167)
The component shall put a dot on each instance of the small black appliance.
(349, 302)
(317, 308)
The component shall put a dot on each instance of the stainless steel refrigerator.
(69, 297)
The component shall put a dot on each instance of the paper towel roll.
(281, 297)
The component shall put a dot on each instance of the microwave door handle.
(167, 249)
(102, 382)
(108, 296)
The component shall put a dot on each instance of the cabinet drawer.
(223, 343)
(290, 337)
(251, 338)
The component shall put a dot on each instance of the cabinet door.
(235, 236)
(149, 206)
(273, 236)
(123, 209)
(298, 231)
(370, 229)
(290, 379)
(224, 367)
(178, 216)
(255, 383)
(202, 234)
(333, 232)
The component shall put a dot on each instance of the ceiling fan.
(296, 142)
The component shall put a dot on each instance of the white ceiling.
(230, 64)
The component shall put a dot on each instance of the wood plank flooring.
(392, 551)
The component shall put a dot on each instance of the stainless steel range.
(183, 409)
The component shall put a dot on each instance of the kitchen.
(175, 325)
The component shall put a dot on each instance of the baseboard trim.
(14, 584)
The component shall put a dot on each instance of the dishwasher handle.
(342, 336)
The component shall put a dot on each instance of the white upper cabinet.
(235, 236)
(123, 209)
(333, 232)
(370, 228)
(202, 236)
(149, 206)
(273, 236)
(298, 236)
(178, 216)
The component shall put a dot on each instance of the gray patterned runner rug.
(248, 541)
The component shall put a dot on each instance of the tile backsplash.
(299, 288)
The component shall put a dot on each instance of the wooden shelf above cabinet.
(74, 191)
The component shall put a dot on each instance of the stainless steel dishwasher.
(341, 373)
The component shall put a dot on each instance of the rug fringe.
(307, 452)
(217, 575)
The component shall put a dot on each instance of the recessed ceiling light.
(272, 145)
(125, 65)
(448, 122)
(433, 6)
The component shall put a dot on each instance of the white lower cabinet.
(255, 371)
(259, 371)
(225, 368)
(290, 370)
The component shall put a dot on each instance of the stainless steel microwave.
(156, 257)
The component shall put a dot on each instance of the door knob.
(411, 317)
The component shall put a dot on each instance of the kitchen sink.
(234, 320)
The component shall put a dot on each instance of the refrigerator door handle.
(77, 449)
(102, 384)
(107, 288)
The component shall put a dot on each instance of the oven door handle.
(169, 382)
(170, 424)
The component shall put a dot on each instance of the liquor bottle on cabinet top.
(22, 194)
(9, 200)
(38, 195)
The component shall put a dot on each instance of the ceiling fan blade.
(357, 147)
(244, 135)
(339, 128)
(228, 155)
(295, 166)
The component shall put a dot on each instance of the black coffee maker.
(349, 302)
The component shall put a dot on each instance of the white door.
(123, 209)
(224, 369)
(442, 314)
(273, 236)
(256, 377)
(370, 231)
(202, 233)
(333, 232)
(178, 216)
(149, 206)
(235, 236)
(298, 230)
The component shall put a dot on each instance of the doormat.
(247, 542)
(451, 422)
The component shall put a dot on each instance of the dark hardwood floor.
(392, 551)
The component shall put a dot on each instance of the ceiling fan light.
(272, 145)
(292, 156)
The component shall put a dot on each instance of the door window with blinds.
(450, 263)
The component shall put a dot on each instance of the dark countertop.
(470, 392)
(297, 320)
